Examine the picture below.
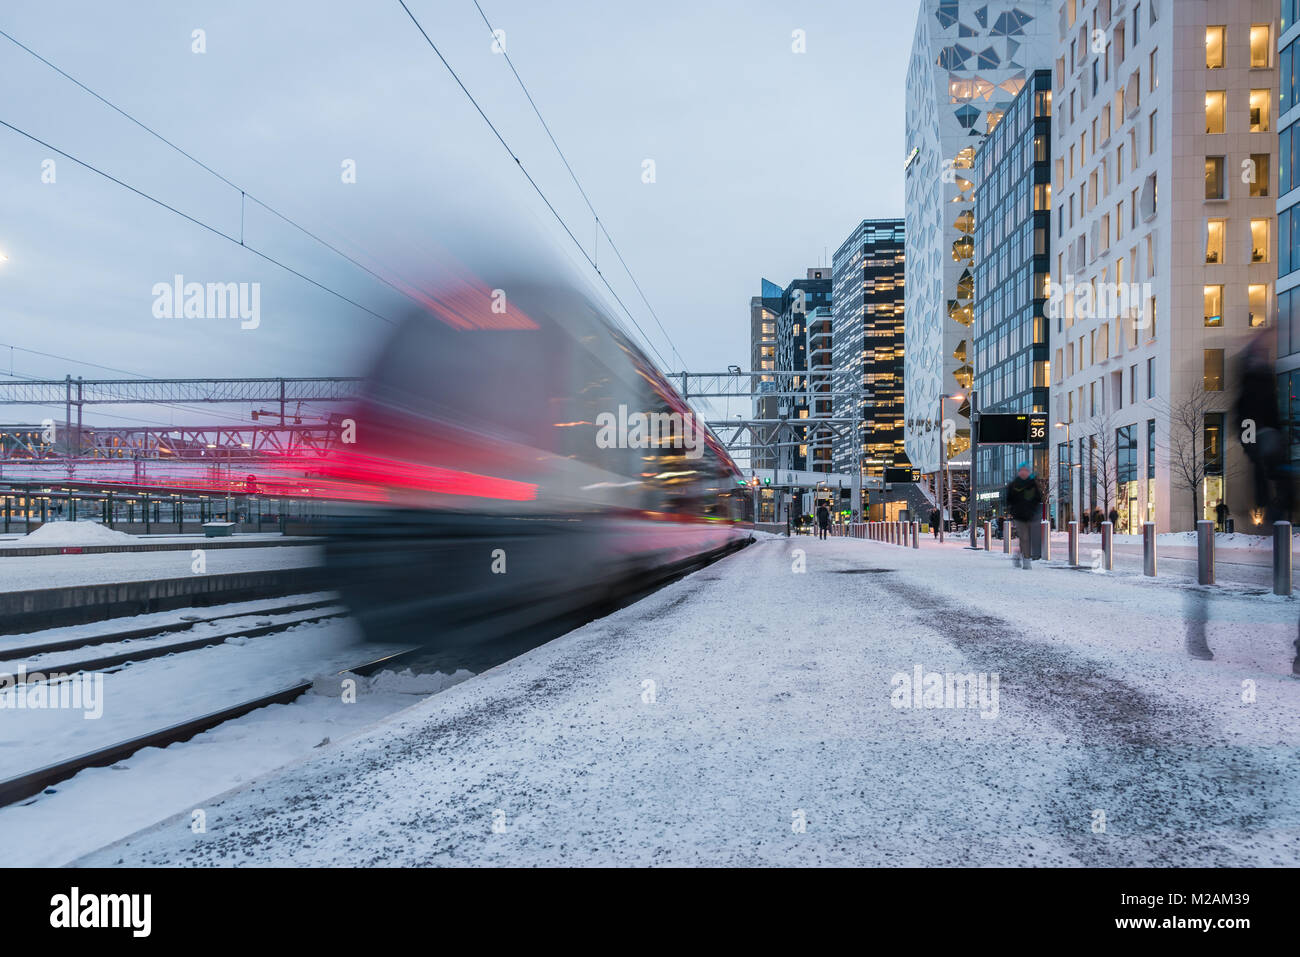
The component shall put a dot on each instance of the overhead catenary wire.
(195, 220)
(532, 182)
(600, 225)
(243, 193)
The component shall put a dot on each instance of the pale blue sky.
(765, 159)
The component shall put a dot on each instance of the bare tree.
(1103, 455)
(1185, 450)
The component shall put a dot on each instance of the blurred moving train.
(495, 501)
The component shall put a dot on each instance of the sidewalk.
(747, 715)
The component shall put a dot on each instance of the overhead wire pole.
(767, 434)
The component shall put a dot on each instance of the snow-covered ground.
(56, 571)
(101, 805)
(76, 533)
(154, 694)
(12, 645)
(227, 629)
(749, 714)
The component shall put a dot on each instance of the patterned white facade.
(969, 60)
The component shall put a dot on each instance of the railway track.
(328, 609)
(32, 783)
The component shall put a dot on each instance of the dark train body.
(486, 495)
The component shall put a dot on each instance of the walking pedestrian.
(1024, 502)
(823, 520)
(1221, 516)
(934, 522)
(1262, 438)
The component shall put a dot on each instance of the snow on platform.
(76, 533)
(771, 735)
(58, 571)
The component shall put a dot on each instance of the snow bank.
(75, 533)
(391, 682)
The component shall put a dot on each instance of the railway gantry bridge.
(276, 426)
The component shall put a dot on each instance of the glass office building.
(1009, 354)
(868, 293)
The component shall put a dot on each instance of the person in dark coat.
(823, 519)
(1024, 503)
(1114, 519)
(1260, 428)
(934, 522)
(1221, 516)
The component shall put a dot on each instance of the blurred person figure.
(1221, 516)
(1024, 502)
(934, 522)
(1260, 428)
(823, 520)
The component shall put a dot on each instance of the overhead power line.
(596, 216)
(532, 182)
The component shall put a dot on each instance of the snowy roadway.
(772, 732)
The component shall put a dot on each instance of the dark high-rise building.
(764, 310)
(868, 294)
(1013, 216)
(803, 349)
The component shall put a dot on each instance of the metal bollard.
(1108, 546)
(1205, 552)
(1281, 558)
(988, 534)
(1149, 549)
(901, 537)
(1074, 544)
(1046, 537)
(971, 522)
(1006, 535)
(916, 534)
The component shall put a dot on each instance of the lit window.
(1214, 305)
(1214, 41)
(1259, 119)
(1259, 240)
(1260, 41)
(1214, 242)
(1214, 111)
(1213, 370)
(1214, 177)
(1259, 170)
(1258, 296)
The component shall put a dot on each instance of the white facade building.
(1164, 250)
